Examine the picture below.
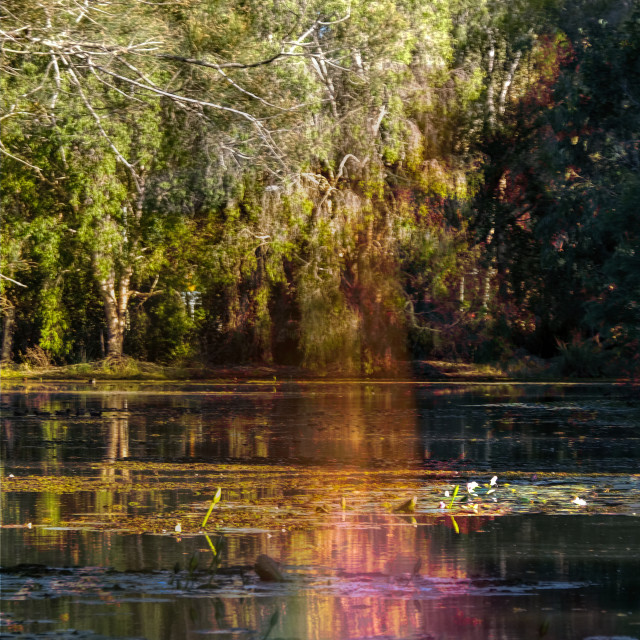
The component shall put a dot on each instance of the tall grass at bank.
(107, 369)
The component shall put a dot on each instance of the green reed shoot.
(453, 497)
(214, 502)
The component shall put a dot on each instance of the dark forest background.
(325, 183)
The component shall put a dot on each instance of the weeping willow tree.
(305, 263)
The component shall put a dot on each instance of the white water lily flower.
(446, 494)
(494, 481)
(579, 501)
(471, 486)
(178, 528)
(442, 505)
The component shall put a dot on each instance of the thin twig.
(12, 280)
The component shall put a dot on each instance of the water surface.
(549, 569)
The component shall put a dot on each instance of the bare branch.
(349, 156)
(163, 4)
(111, 86)
(173, 96)
(332, 187)
(262, 131)
(45, 75)
(248, 93)
(145, 296)
(12, 280)
(56, 69)
(27, 53)
(300, 41)
(13, 113)
(507, 81)
(225, 65)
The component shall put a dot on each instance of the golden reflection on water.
(364, 424)
(361, 424)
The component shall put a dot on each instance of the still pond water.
(311, 475)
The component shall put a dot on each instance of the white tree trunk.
(491, 107)
(115, 298)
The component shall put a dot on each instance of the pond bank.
(525, 369)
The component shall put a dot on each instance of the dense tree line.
(320, 182)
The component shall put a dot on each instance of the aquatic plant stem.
(215, 501)
(453, 497)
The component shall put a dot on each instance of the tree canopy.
(331, 183)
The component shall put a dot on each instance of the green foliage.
(328, 328)
(582, 358)
(453, 180)
(54, 322)
(590, 234)
(162, 329)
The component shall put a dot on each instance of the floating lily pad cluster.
(183, 499)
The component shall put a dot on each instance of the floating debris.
(407, 507)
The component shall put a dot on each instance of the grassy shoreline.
(436, 370)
